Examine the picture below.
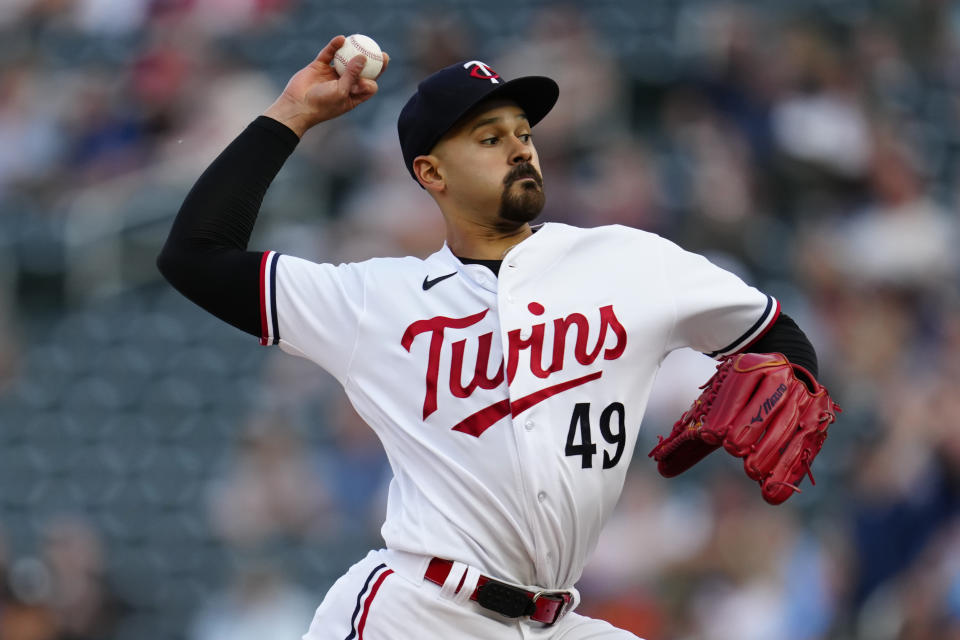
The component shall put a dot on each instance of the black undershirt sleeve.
(787, 338)
(205, 256)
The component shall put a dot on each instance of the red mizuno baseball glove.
(758, 409)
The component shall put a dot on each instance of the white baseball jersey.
(509, 407)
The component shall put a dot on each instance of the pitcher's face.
(490, 165)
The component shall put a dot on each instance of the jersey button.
(529, 424)
(541, 496)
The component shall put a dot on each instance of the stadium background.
(162, 476)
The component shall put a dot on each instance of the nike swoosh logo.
(475, 424)
(427, 282)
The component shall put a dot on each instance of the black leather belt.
(505, 599)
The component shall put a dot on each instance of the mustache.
(522, 171)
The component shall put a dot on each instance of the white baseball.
(356, 45)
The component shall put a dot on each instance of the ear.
(427, 170)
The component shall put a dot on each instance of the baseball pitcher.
(507, 374)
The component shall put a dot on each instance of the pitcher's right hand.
(316, 93)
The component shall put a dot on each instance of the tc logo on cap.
(482, 70)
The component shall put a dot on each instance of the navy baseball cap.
(447, 95)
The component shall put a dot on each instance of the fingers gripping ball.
(757, 408)
(356, 45)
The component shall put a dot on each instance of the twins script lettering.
(583, 353)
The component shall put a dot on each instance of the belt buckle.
(566, 598)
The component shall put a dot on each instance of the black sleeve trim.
(787, 338)
(205, 256)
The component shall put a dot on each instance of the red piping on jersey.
(369, 600)
(264, 338)
(476, 423)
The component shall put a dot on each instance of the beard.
(522, 202)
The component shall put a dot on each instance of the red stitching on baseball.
(375, 56)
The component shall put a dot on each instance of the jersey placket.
(532, 442)
(520, 457)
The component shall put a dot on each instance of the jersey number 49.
(612, 429)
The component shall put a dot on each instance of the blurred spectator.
(83, 604)
(105, 139)
(825, 129)
(651, 530)
(562, 44)
(745, 581)
(206, 107)
(216, 17)
(259, 604)
(621, 186)
(734, 66)
(903, 238)
(26, 619)
(388, 218)
(63, 594)
(357, 474)
(226, 16)
(271, 491)
(110, 17)
(30, 140)
(13, 10)
(158, 80)
(437, 40)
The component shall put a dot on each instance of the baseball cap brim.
(536, 95)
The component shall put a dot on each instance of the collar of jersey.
(478, 274)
